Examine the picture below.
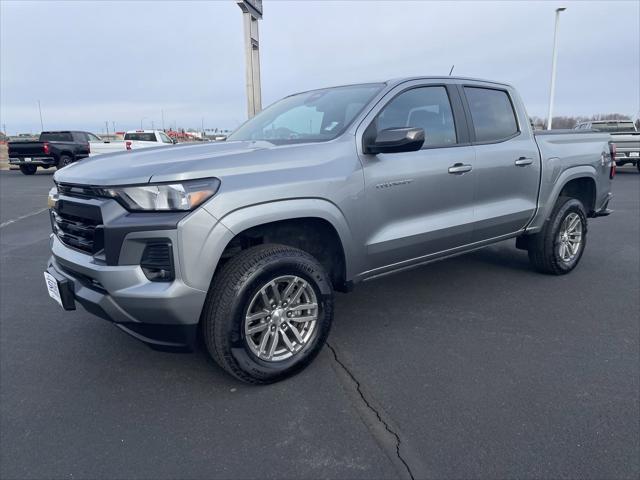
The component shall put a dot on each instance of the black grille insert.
(78, 226)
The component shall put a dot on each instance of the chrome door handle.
(460, 168)
(523, 161)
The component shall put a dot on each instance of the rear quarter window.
(492, 114)
(140, 137)
(56, 137)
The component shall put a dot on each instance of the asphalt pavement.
(473, 367)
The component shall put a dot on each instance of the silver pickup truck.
(244, 242)
(624, 135)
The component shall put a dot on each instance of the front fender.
(260, 214)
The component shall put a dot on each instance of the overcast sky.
(124, 62)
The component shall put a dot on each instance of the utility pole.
(106, 124)
(251, 13)
(554, 61)
(162, 113)
(41, 123)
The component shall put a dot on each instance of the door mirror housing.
(394, 140)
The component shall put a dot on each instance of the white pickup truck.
(133, 140)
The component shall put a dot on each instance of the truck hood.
(181, 162)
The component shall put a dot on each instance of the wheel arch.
(571, 181)
(314, 225)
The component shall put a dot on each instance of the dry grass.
(4, 157)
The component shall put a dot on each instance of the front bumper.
(106, 277)
(37, 161)
(162, 314)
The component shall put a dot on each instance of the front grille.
(77, 190)
(78, 226)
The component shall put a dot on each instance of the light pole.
(40, 111)
(552, 90)
(251, 13)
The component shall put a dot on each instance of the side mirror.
(395, 140)
(174, 141)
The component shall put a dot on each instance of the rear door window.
(492, 114)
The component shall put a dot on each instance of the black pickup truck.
(53, 149)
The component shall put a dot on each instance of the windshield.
(314, 116)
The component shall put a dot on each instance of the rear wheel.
(64, 161)
(638, 165)
(557, 249)
(267, 313)
(28, 169)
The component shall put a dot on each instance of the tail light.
(46, 148)
(612, 150)
(128, 145)
(88, 148)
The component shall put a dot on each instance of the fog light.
(157, 261)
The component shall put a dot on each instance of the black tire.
(544, 246)
(63, 161)
(28, 169)
(228, 301)
(638, 165)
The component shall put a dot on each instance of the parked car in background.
(626, 138)
(245, 241)
(133, 140)
(53, 149)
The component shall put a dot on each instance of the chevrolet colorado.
(244, 242)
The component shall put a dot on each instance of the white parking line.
(14, 220)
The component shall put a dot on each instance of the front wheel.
(557, 249)
(28, 169)
(267, 313)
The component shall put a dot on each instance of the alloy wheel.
(570, 237)
(281, 318)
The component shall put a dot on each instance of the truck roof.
(64, 131)
(396, 81)
(143, 131)
(399, 80)
(608, 121)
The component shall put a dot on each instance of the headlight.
(52, 199)
(181, 196)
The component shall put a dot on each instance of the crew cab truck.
(626, 138)
(133, 140)
(245, 241)
(53, 149)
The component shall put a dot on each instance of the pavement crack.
(375, 411)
